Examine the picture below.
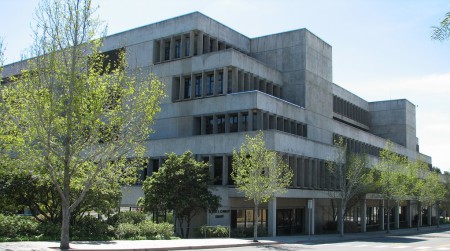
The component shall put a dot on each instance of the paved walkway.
(208, 243)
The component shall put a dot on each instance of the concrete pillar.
(216, 85)
(192, 86)
(295, 171)
(199, 43)
(224, 170)
(181, 92)
(227, 123)
(191, 43)
(234, 78)
(172, 48)
(225, 80)
(260, 120)
(211, 167)
(246, 81)
(430, 213)
(161, 50)
(272, 217)
(437, 214)
(241, 85)
(183, 46)
(207, 41)
(381, 214)
(215, 124)
(396, 217)
(203, 125)
(409, 214)
(311, 217)
(363, 215)
(250, 120)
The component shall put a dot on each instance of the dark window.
(218, 166)
(167, 50)
(230, 81)
(209, 124)
(230, 170)
(244, 118)
(110, 61)
(187, 48)
(197, 125)
(198, 86)
(155, 165)
(187, 87)
(305, 130)
(233, 122)
(221, 123)
(210, 84)
(220, 83)
(255, 121)
(177, 48)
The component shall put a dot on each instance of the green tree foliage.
(353, 177)
(75, 114)
(180, 185)
(260, 174)
(391, 178)
(442, 32)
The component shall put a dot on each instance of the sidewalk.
(211, 243)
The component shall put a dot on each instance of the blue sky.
(381, 48)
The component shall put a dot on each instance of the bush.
(18, 227)
(151, 230)
(214, 232)
(132, 217)
(127, 231)
(242, 232)
(50, 230)
(91, 228)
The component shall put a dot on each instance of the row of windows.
(357, 146)
(351, 111)
(219, 82)
(247, 121)
(186, 45)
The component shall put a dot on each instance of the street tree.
(391, 178)
(442, 32)
(352, 177)
(76, 114)
(260, 174)
(434, 193)
(181, 186)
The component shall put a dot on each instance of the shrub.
(90, 228)
(127, 231)
(50, 230)
(132, 217)
(214, 232)
(18, 227)
(151, 230)
(242, 232)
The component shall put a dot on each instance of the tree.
(259, 173)
(391, 178)
(76, 114)
(434, 192)
(442, 32)
(352, 177)
(180, 185)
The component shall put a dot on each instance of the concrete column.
(224, 170)
(311, 217)
(191, 43)
(437, 214)
(246, 81)
(211, 167)
(250, 120)
(240, 81)
(200, 43)
(295, 171)
(203, 125)
(215, 124)
(172, 48)
(256, 83)
(272, 217)
(301, 172)
(363, 215)
(430, 213)
(381, 215)
(182, 46)
(409, 214)
(225, 80)
(240, 121)
(192, 86)
(161, 50)
(260, 120)
(207, 41)
(396, 217)
(227, 123)
(234, 78)
(181, 92)
(203, 84)
(216, 85)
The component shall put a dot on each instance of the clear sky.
(381, 48)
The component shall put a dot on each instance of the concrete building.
(222, 85)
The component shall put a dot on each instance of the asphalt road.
(430, 241)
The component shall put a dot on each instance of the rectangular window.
(198, 86)
(230, 81)
(218, 163)
(187, 48)
(210, 84)
(187, 88)
(221, 124)
(244, 118)
(220, 83)
(233, 122)
(209, 124)
(167, 50)
(177, 48)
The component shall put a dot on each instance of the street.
(430, 241)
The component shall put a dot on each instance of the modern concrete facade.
(222, 85)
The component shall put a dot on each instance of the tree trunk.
(341, 218)
(419, 215)
(255, 223)
(388, 217)
(437, 216)
(65, 226)
(188, 226)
